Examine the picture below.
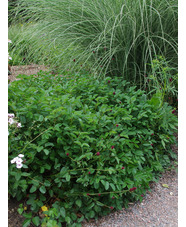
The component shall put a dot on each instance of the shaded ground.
(158, 209)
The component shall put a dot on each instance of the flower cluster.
(132, 189)
(11, 120)
(18, 160)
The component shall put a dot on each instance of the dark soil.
(14, 218)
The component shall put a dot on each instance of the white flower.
(19, 160)
(9, 41)
(11, 115)
(18, 125)
(13, 161)
(16, 159)
(10, 121)
(19, 165)
(10, 58)
(21, 155)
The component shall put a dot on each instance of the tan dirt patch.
(26, 70)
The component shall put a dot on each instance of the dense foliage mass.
(113, 37)
(89, 145)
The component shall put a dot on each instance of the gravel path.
(158, 208)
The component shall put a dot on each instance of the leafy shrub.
(90, 146)
(162, 81)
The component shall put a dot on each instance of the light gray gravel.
(158, 208)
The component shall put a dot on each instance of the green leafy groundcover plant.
(90, 146)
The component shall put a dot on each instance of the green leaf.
(18, 176)
(73, 216)
(27, 215)
(47, 183)
(42, 189)
(36, 221)
(106, 185)
(62, 212)
(81, 219)
(99, 204)
(51, 193)
(163, 143)
(49, 144)
(68, 219)
(78, 203)
(67, 177)
(85, 144)
(25, 174)
(97, 208)
(92, 214)
(20, 210)
(26, 222)
(165, 185)
(40, 118)
(46, 151)
(113, 186)
(39, 148)
(33, 189)
(42, 169)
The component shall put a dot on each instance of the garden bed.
(158, 208)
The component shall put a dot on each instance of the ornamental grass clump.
(114, 37)
(78, 163)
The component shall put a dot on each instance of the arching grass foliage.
(118, 37)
